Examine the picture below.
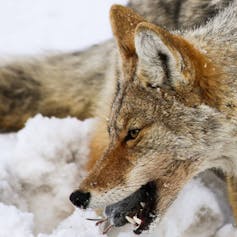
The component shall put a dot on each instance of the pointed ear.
(162, 56)
(124, 22)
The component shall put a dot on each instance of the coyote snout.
(137, 209)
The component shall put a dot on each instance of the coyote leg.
(232, 193)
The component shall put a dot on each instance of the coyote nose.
(80, 199)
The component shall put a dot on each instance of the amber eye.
(132, 134)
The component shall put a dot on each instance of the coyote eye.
(132, 134)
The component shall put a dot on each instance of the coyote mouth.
(137, 209)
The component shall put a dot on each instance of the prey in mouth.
(137, 209)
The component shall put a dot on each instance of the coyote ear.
(124, 21)
(161, 57)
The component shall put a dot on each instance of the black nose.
(80, 199)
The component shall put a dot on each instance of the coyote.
(173, 115)
(163, 92)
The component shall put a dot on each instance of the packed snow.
(42, 163)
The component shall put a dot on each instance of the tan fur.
(101, 179)
(98, 144)
(124, 22)
(232, 193)
(170, 181)
(55, 85)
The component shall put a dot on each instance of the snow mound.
(76, 225)
(15, 223)
(41, 165)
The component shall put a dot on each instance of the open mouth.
(137, 209)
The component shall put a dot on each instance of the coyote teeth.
(130, 220)
(137, 220)
(142, 204)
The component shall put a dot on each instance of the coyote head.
(162, 129)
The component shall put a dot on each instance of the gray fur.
(178, 14)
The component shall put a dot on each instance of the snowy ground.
(41, 164)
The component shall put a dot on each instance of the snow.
(41, 166)
(14, 222)
(42, 163)
(29, 27)
(76, 225)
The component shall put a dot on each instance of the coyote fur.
(164, 93)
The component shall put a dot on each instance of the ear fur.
(124, 22)
(161, 57)
(170, 62)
